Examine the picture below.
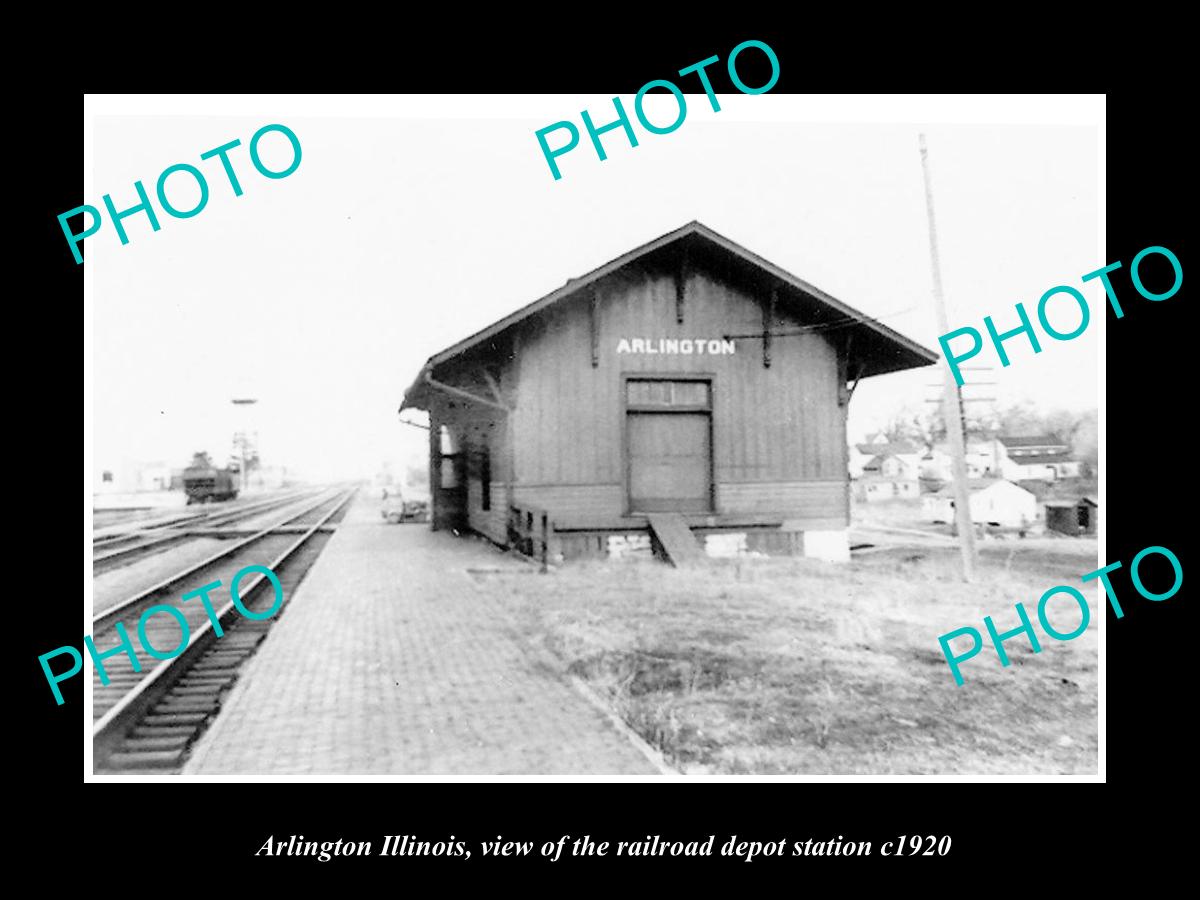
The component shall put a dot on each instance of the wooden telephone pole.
(952, 401)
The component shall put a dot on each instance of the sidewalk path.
(390, 659)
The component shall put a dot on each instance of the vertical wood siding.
(778, 427)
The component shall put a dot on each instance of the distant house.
(1073, 517)
(862, 455)
(983, 458)
(1039, 458)
(980, 458)
(891, 474)
(894, 465)
(994, 502)
(857, 459)
(938, 464)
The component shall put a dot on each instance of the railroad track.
(115, 550)
(148, 720)
(111, 535)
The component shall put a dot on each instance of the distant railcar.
(204, 482)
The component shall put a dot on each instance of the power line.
(840, 322)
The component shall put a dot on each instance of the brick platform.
(391, 659)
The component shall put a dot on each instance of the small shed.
(1073, 517)
(993, 502)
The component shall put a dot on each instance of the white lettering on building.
(676, 346)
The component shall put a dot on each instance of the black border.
(996, 827)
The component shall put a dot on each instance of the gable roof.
(1046, 456)
(1089, 500)
(1040, 440)
(908, 459)
(893, 351)
(978, 486)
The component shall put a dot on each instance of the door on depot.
(668, 442)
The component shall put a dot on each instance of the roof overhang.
(882, 348)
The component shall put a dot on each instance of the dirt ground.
(775, 666)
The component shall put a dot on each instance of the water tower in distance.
(245, 438)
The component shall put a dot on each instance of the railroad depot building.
(687, 383)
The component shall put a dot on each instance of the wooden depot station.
(686, 385)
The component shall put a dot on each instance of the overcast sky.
(321, 294)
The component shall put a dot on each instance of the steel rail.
(110, 537)
(221, 516)
(111, 728)
(102, 562)
(114, 614)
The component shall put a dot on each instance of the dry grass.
(795, 666)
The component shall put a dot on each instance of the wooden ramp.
(676, 539)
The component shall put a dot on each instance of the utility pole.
(242, 439)
(952, 400)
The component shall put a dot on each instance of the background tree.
(903, 427)
(1085, 441)
(1020, 419)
